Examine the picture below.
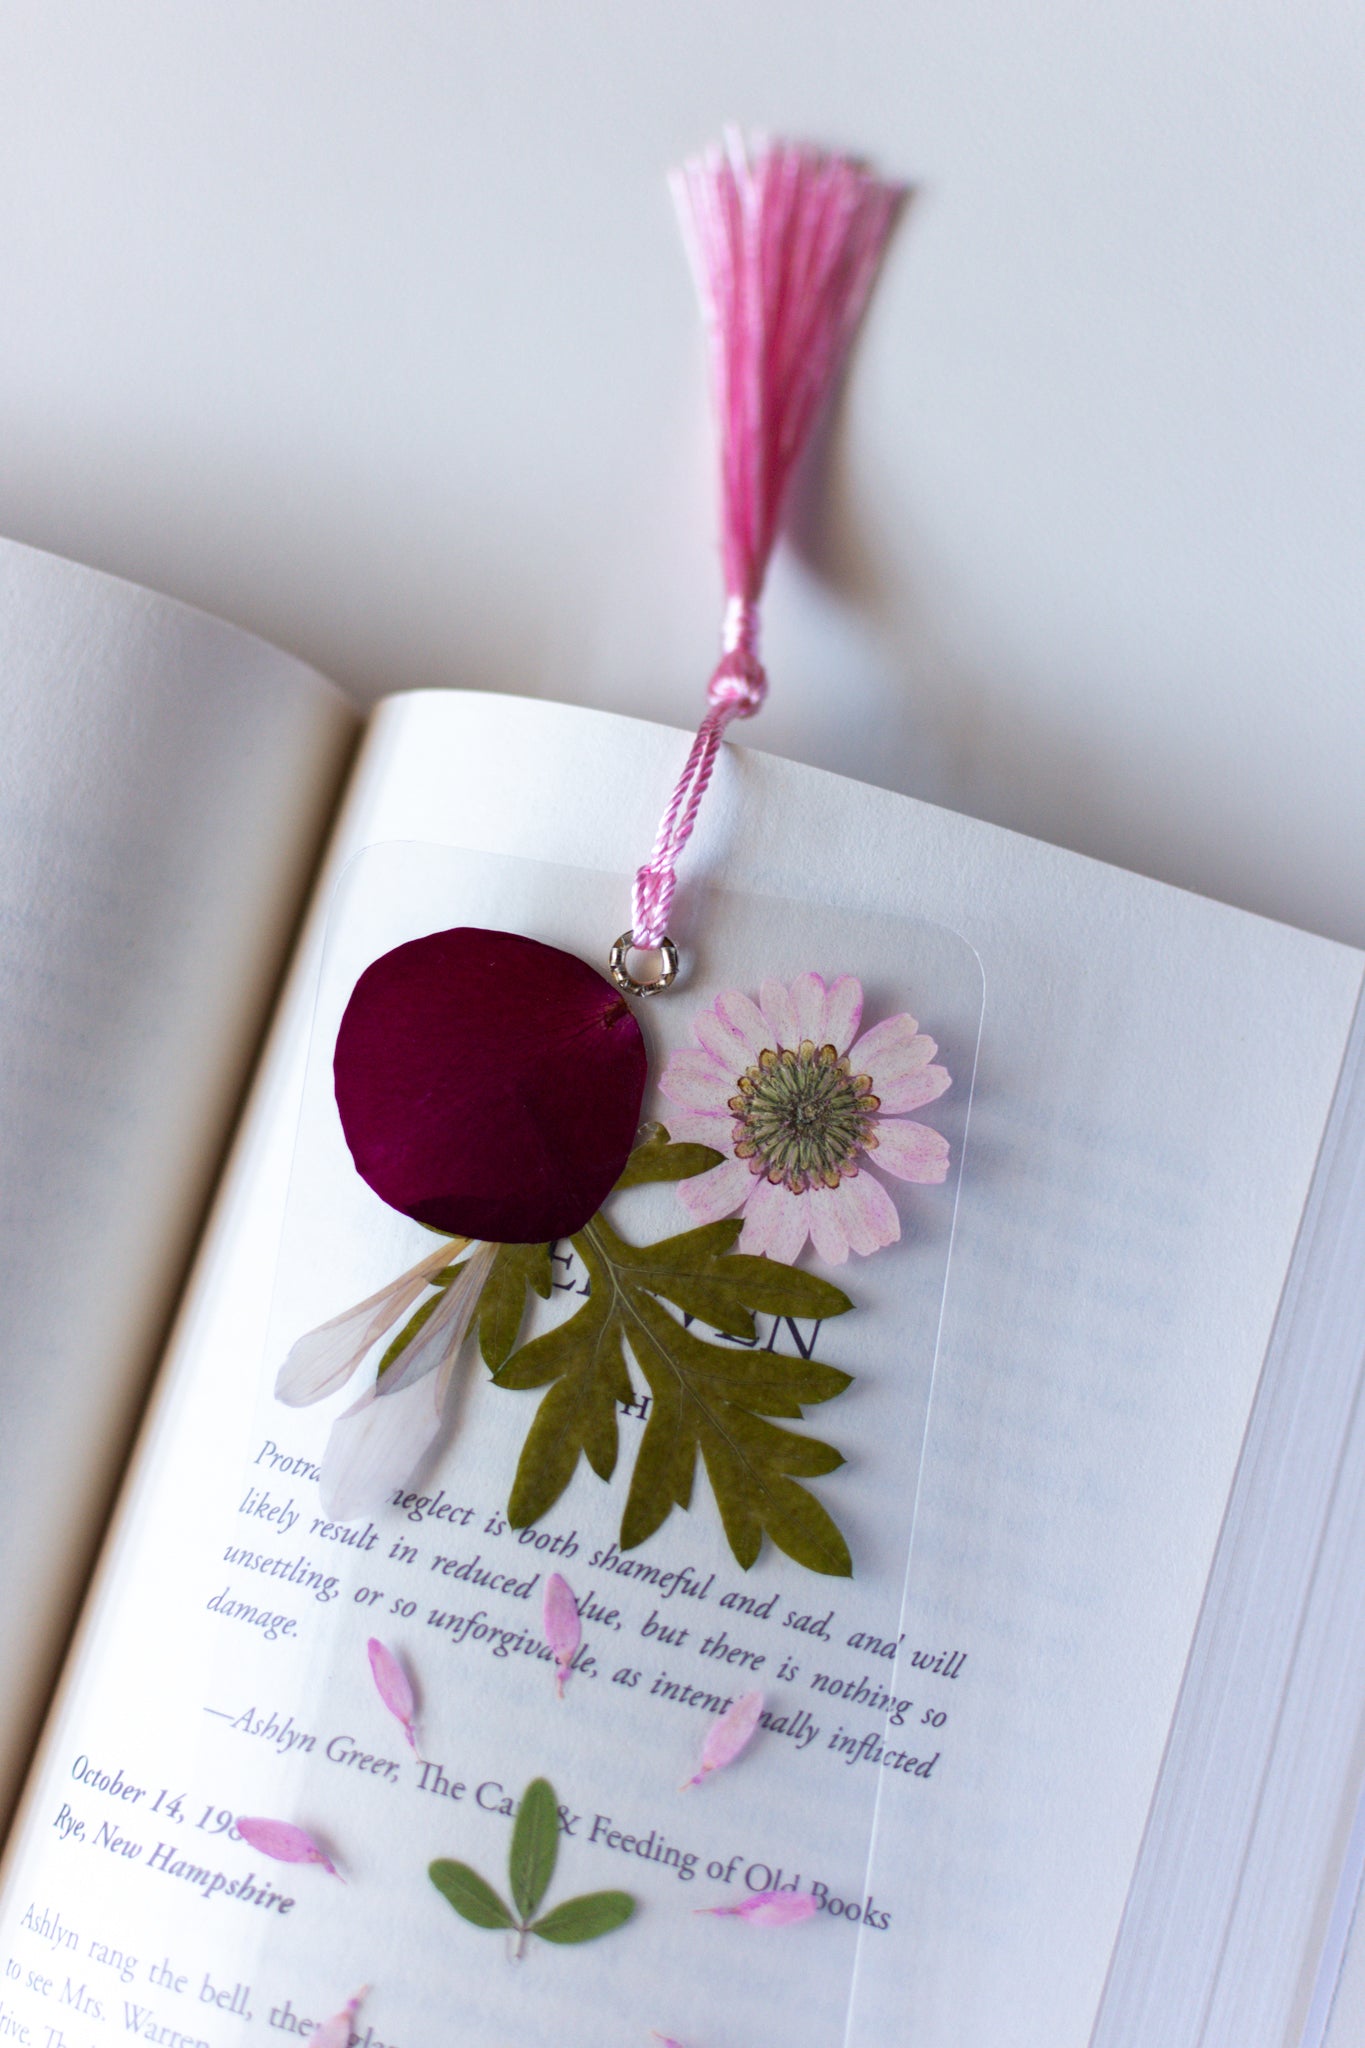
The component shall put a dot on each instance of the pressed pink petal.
(744, 1016)
(336, 2032)
(723, 1043)
(768, 1909)
(729, 1736)
(774, 1221)
(808, 1001)
(394, 1687)
(844, 1013)
(284, 1842)
(779, 1011)
(700, 1127)
(867, 1213)
(827, 1232)
(696, 1081)
(709, 1196)
(563, 1629)
(897, 1093)
(910, 1151)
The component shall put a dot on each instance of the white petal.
(744, 1016)
(441, 1335)
(774, 1222)
(376, 1445)
(325, 1359)
(723, 1043)
(808, 1001)
(867, 1213)
(779, 1012)
(696, 1081)
(910, 1151)
(718, 1193)
(844, 1013)
(827, 1232)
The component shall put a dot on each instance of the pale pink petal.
(437, 1343)
(808, 1001)
(563, 1629)
(897, 1093)
(325, 1359)
(867, 1213)
(696, 1081)
(729, 1736)
(775, 1221)
(376, 1445)
(910, 1151)
(394, 1688)
(844, 1013)
(827, 1232)
(744, 1016)
(284, 1842)
(779, 1013)
(700, 1127)
(709, 1196)
(723, 1043)
(336, 2032)
(892, 1049)
(768, 1909)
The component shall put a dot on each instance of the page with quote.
(164, 789)
(1153, 1077)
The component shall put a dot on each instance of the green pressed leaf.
(473, 1899)
(656, 1158)
(502, 1303)
(585, 1918)
(535, 1844)
(709, 1401)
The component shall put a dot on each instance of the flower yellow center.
(801, 1117)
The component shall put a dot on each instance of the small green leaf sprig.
(530, 1866)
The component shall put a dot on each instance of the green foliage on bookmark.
(530, 1867)
(710, 1401)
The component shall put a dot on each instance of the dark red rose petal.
(489, 1085)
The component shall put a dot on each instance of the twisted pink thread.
(784, 243)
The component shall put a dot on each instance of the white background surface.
(366, 324)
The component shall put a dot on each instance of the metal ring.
(626, 982)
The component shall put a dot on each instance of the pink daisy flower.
(802, 1105)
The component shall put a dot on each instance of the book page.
(1153, 1080)
(163, 789)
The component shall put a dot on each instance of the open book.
(1073, 1756)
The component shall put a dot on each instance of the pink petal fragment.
(867, 1213)
(709, 1196)
(775, 1221)
(911, 1151)
(844, 1013)
(563, 1629)
(808, 1000)
(779, 1012)
(667, 2039)
(768, 1909)
(729, 1736)
(284, 1842)
(694, 1080)
(336, 2032)
(394, 1688)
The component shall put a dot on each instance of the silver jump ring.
(626, 981)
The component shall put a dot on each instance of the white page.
(164, 785)
(1154, 1078)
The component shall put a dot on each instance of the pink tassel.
(563, 1629)
(768, 1909)
(394, 1688)
(336, 2032)
(728, 1737)
(785, 243)
(284, 1842)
